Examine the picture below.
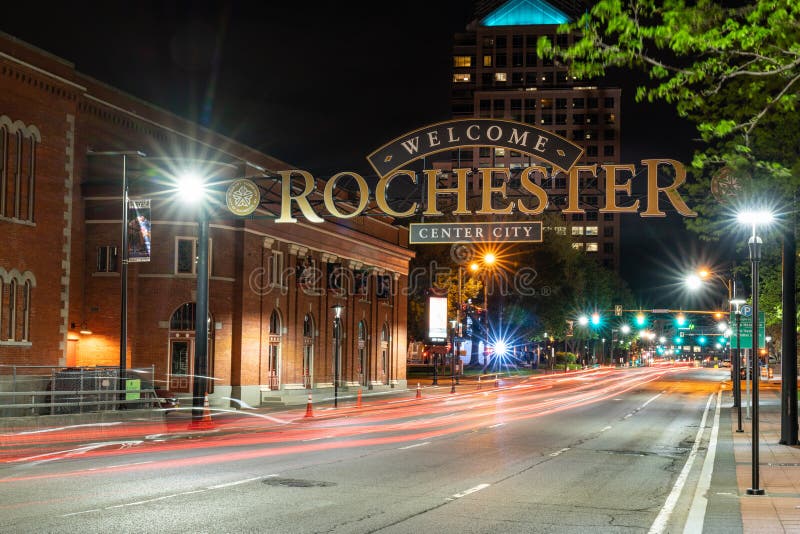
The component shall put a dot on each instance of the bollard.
(419, 391)
(358, 399)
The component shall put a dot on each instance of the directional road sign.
(745, 329)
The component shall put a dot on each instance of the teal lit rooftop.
(525, 13)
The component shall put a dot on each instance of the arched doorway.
(181, 349)
(363, 355)
(308, 350)
(274, 351)
(384, 370)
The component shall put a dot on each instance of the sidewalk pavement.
(778, 510)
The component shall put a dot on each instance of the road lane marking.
(235, 483)
(119, 465)
(697, 512)
(415, 445)
(643, 406)
(164, 497)
(471, 490)
(606, 428)
(660, 524)
(498, 424)
(554, 454)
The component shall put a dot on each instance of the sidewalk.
(778, 510)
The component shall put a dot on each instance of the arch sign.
(556, 154)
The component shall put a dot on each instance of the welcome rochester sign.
(557, 155)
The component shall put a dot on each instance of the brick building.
(67, 143)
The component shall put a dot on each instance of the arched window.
(183, 318)
(11, 310)
(18, 144)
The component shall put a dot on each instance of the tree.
(733, 70)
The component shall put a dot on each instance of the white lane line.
(606, 428)
(471, 490)
(697, 512)
(164, 497)
(660, 524)
(415, 445)
(643, 406)
(554, 454)
(119, 465)
(498, 424)
(235, 483)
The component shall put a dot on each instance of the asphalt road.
(604, 451)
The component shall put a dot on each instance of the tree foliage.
(730, 68)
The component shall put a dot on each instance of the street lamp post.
(193, 190)
(337, 348)
(123, 275)
(201, 320)
(754, 244)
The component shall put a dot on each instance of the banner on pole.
(139, 230)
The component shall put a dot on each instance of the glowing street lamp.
(192, 190)
(755, 218)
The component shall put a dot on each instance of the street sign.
(618, 310)
(746, 310)
(745, 328)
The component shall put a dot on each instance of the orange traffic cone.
(309, 409)
(358, 399)
(419, 391)
(206, 410)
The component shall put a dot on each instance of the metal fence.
(44, 390)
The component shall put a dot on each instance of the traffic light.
(640, 319)
(678, 340)
(701, 340)
(595, 319)
(680, 320)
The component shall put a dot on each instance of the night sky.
(322, 84)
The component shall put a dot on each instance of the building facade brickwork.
(67, 144)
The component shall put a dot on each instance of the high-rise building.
(497, 74)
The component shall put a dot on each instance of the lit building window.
(487, 61)
(577, 246)
(462, 77)
(462, 61)
(591, 230)
(561, 230)
(591, 247)
(577, 230)
(500, 76)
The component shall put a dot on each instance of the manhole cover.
(297, 483)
